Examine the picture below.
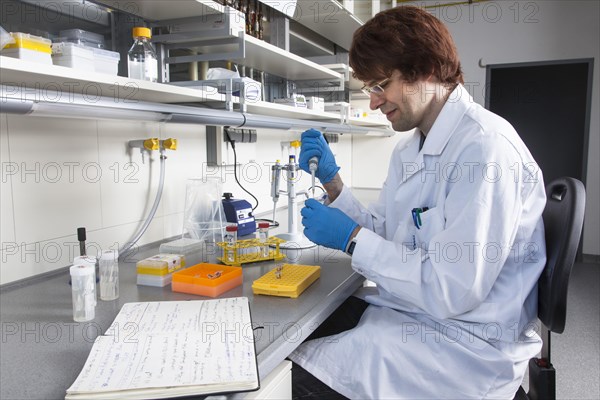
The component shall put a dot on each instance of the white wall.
(500, 32)
(59, 174)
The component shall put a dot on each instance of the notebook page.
(213, 345)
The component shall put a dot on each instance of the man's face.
(404, 104)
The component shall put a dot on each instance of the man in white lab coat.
(455, 242)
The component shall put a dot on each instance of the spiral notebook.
(172, 349)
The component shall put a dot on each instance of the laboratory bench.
(43, 349)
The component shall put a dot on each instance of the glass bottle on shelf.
(253, 20)
(260, 23)
(247, 17)
(142, 61)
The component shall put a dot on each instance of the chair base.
(521, 395)
(542, 380)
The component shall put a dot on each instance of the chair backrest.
(563, 221)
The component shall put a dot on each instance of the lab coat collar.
(447, 121)
(442, 130)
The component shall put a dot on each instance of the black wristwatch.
(351, 246)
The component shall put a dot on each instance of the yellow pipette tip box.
(287, 280)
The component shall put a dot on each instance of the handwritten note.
(162, 344)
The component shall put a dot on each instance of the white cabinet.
(277, 385)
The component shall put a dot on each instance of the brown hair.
(408, 39)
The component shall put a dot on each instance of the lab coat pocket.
(432, 223)
(404, 233)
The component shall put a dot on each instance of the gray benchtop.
(43, 350)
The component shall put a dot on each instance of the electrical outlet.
(218, 149)
(240, 135)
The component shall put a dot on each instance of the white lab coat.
(455, 303)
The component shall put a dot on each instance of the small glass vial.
(82, 291)
(90, 261)
(263, 236)
(142, 61)
(231, 240)
(109, 275)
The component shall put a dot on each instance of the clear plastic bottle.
(90, 261)
(82, 289)
(231, 240)
(109, 275)
(263, 236)
(142, 61)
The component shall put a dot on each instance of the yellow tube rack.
(245, 258)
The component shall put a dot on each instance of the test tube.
(263, 236)
(109, 275)
(82, 291)
(231, 240)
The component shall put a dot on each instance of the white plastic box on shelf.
(297, 100)
(73, 56)
(315, 103)
(106, 62)
(79, 36)
(341, 107)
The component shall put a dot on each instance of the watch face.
(351, 247)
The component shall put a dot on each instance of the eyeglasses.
(378, 88)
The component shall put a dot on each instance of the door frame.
(588, 111)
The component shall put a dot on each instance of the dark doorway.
(549, 104)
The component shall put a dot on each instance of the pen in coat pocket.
(416, 216)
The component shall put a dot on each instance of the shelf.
(15, 72)
(329, 19)
(353, 83)
(157, 10)
(372, 122)
(277, 110)
(258, 54)
(266, 57)
(65, 81)
(271, 59)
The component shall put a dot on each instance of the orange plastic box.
(207, 279)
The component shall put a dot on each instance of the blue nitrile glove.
(314, 145)
(326, 226)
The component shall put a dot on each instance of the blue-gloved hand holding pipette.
(327, 226)
(314, 145)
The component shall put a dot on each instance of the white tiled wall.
(56, 188)
(83, 174)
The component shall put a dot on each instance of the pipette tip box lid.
(192, 249)
(207, 279)
(287, 280)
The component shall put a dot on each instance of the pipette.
(313, 163)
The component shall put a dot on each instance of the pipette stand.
(294, 239)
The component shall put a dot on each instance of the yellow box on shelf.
(29, 48)
(31, 42)
(286, 280)
(249, 250)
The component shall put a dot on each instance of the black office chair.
(563, 221)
